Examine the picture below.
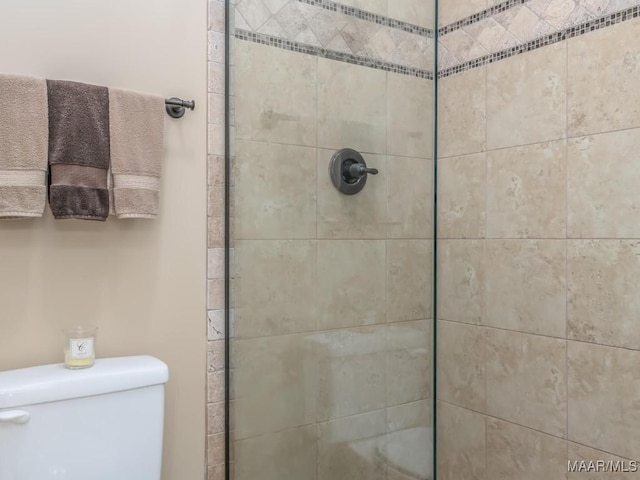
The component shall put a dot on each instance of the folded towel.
(137, 132)
(78, 150)
(23, 146)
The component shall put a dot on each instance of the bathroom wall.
(331, 322)
(140, 281)
(538, 250)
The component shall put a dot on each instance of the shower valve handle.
(357, 170)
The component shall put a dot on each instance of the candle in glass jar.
(79, 350)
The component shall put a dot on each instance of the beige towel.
(24, 134)
(137, 133)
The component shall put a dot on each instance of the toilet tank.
(100, 423)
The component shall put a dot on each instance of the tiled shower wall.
(309, 77)
(332, 293)
(215, 242)
(539, 248)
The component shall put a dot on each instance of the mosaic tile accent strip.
(322, 27)
(371, 17)
(571, 32)
(331, 54)
(476, 17)
(524, 23)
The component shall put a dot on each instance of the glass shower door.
(331, 293)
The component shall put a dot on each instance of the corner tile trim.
(571, 32)
(476, 17)
(331, 54)
(372, 17)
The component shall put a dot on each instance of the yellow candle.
(79, 352)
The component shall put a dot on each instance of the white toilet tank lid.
(51, 383)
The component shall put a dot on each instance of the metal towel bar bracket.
(176, 106)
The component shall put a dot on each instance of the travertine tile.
(215, 294)
(409, 360)
(526, 191)
(264, 110)
(275, 195)
(287, 455)
(603, 184)
(215, 47)
(461, 196)
(254, 12)
(462, 113)
(409, 279)
(602, 65)
(215, 449)
(461, 365)
(526, 380)
(215, 263)
(374, 6)
(409, 116)
(461, 280)
(526, 286)
(215, 139)
(215, 387)
(216, 15)
(216, 77)
(410, 415)
(276, 287)
(351, 274)
(461, 444)
(215, 325)
(351, 370)
(215, 232)
(359, 216)
(515, 452)
(416, 12)
(526, 98)
(215, 472)
(603, 301)
(349, 447)
(280, 367)
(215, 176)
(462, 46)
(603, 388)
(450, 11)
(358, 119)
(215, 356)
(581, 458)
(409, 197)
(215, 417)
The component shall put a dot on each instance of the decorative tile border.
(331, 54)
(476, 17)
(372, 17)
(571, 32)
(323, 24)
(517, 25)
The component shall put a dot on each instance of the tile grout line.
(550, 337)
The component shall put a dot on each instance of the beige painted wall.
(538, 265)
(143, 282)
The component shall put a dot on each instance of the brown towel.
(137, 132)
(78, 150)
(23, 146)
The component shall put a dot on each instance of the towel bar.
(176, 106)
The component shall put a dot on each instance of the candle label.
(81, 347)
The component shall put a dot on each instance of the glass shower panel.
(332, 334)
